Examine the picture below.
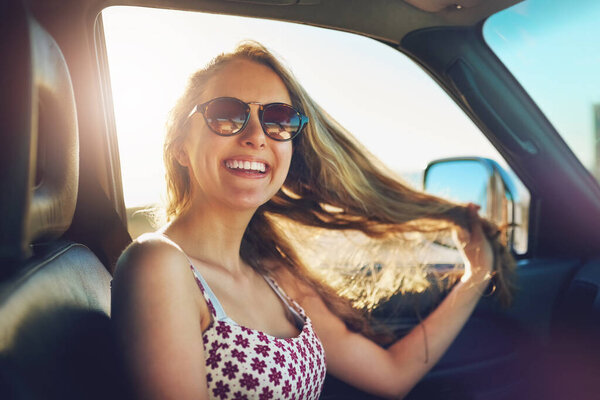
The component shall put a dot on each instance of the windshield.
(553, 50)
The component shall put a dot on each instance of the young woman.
(218, 304)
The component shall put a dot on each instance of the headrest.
(39, 152)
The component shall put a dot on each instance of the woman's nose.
(253, 134)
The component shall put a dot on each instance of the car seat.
(55, 336)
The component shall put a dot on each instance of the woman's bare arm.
(157, 311)
(393, 372)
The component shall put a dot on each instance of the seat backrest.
(55, 336)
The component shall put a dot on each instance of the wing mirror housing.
(484, 182)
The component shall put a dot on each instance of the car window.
(387, 101)
(552, 49)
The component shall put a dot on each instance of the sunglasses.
(228, 116)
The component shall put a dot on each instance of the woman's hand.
(475, 249)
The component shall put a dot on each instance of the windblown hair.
(333, 183)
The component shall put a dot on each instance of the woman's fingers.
(474, 246)
(473, 214)
(462, 237)
(478, 250)
(475, 223)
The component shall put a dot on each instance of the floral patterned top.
(245, 364)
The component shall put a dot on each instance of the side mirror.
(484, 182)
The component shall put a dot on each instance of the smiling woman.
(223, 224)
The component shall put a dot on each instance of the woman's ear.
(182, 157)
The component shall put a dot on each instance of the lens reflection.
(226, 116)
(280, 121)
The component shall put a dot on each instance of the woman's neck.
(211, 235)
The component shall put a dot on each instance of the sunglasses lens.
(226, 116)
(280, 121)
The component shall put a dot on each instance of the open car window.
(388, 102)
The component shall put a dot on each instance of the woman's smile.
(247, 167)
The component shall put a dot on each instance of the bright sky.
(553, 49)
(389, 103)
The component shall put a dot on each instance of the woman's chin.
(246, 202)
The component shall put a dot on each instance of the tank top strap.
(292, 306)
(214, 305)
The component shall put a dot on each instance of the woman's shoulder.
(154, 244)
(152, 253)
(154, 292)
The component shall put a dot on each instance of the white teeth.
(247, 165)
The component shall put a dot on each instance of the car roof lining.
(386, 20)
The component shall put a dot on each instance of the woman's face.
(212, 159)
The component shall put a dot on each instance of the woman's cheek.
(286, 164)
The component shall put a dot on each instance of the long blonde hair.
(333, 183)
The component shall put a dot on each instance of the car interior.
(63, 221)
